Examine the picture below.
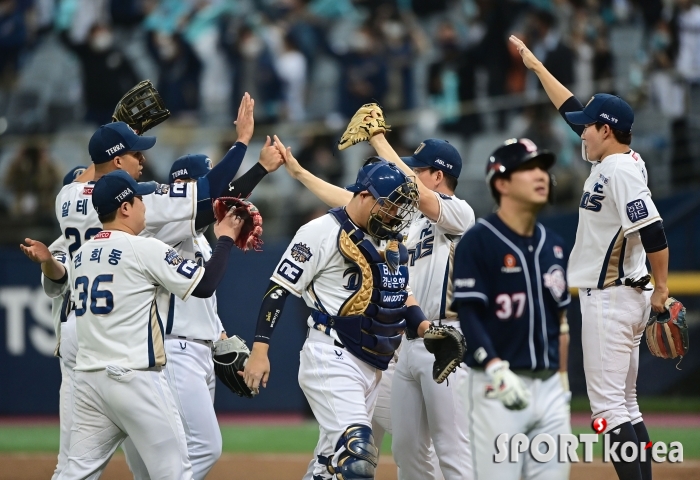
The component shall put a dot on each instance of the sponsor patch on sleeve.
(637, 210)
(289, 271)
(173, 258)
(162, 189)
(301, 253)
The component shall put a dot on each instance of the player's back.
(117, 282)
(76, 216)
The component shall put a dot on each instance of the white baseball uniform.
(615, 204)
(191, 327)
(120, 284)
(340, 388)
(431, 411)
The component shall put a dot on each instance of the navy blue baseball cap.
(115, 139)
(115, 188)
(438, 154)
(605, 108)
(74, 173)
(190, 166)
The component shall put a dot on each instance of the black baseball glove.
(141, 108)
(230, 357)
(448, 346)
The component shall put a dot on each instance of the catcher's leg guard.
(358, 455)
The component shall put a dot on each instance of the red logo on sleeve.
(87, 190)
(102, 235)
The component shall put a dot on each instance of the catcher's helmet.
(395, 192)
(512, 155)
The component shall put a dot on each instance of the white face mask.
(101, 41)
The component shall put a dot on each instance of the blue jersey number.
(74, 233)
(82, 285)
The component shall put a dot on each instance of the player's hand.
(257, 368)
(529, 58)
(245, 123)
(230, 226)
(507, 386)
(290, 163)
(270, 157)
(658, 299)
(36, 251)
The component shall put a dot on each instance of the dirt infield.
(292, 467)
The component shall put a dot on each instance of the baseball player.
(619, 229)
(120, 283)
(360, 307)
(510, 294)
(433, 412)
(190, 331)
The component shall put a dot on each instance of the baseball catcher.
(667, 332)
(141, 108)
(249, 238)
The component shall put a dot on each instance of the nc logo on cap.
(114, 149)
(124, 194)
(420, 147)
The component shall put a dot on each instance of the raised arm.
(39, 253)
(329, 194)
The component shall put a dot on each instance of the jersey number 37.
(510, 305)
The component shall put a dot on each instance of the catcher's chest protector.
(371, 321)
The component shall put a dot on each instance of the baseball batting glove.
(363, 126)
(251, 231)
(507, 386)
(448, 346)
(141, 108)
(230, 356)
(667, 332)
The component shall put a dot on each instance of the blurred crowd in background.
(440, 68)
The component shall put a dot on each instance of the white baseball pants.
(341, 390)
(548, 412)
(111, 404)
(613, 322)
(192, 381)
(68, 349)
(428, 411)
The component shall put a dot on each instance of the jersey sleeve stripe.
(643, 224)
(478, 295)
(195, 282)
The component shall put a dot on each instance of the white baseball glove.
(507, 386)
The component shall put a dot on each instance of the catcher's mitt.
(667, 332)
(363, 126)
(141, 108)
(448, 346)
(249, 238)
(230, 357)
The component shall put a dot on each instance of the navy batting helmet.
(513, 154)
(396, 195)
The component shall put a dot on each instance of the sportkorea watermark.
(545, 448)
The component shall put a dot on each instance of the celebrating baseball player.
(120, 284)
(619, 228)
(510, 294)
(431, 411)
(360, 308)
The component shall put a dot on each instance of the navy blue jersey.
(518, 285)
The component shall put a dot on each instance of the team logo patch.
(101, 235)
(510, 264)
(172, 257)
(289, 271)
(555, 281)
(637, 210)
(162, 189)
(301, 253)
(87, 190)
(558, 252)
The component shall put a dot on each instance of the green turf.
(294, 439)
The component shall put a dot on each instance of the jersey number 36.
(82, 286)
(511, 306)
